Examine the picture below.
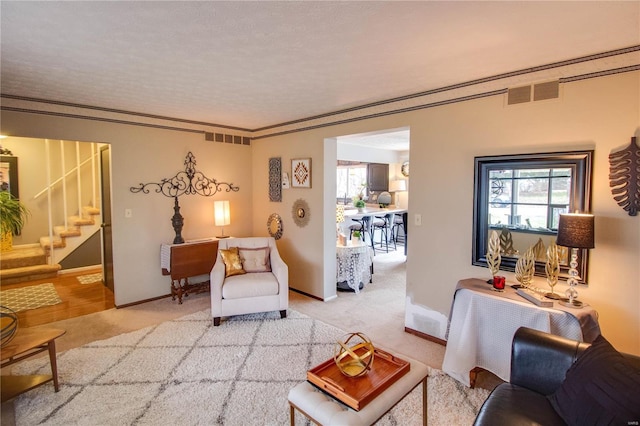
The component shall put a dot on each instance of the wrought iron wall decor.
(275, 179)
(624, 177)
(187, 182)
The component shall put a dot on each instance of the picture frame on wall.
(9, 175)
(301, 173)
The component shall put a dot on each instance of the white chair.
(249, 292)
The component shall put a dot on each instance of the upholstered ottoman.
(325, 410)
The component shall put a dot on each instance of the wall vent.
(221, 137)
(548, 90)
(519, 95)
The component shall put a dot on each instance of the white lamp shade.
(398, 185)
(221, 213)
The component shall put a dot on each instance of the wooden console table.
(190, 259)
(483, 321)
(28, 343)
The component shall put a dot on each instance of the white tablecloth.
(354, 265)
(482, 326)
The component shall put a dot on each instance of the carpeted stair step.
(28, 273)
(81, 221)
(21, 256)
(45, 243)
(62, 232)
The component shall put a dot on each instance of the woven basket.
(6, 242)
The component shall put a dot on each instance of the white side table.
(354, 265)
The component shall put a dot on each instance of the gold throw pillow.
(232, 262)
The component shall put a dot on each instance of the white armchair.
(249, 292)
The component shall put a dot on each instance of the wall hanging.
(301, 173)
(274, 226)
(275, 179)
(624, 177)
(300, 212)
(187, 182)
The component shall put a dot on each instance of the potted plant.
(355, 237)
(13, 215)
(359, 204)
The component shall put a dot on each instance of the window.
(529, 199)
(351, 181)
(522, 196)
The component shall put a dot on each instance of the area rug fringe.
(187, 372)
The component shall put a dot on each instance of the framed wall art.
(301, 173)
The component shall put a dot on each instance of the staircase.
(30, 262)
(66, 240)
(25, 263)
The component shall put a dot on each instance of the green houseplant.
(13, 215)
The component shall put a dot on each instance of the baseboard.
(425, 336)
(307, 294)
(79, 269)
(140, 302)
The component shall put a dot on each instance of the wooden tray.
(357, 392)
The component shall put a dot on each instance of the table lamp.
(395, 186)
(575, 231)
(221, 215)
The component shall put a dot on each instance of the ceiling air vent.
(548, 90)
(519, 95)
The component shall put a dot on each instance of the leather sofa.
(539, 365)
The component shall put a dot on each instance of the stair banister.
(49, 209)
(64, 189)
(78, 179)
(70, 172)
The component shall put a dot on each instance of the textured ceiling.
(257, 64)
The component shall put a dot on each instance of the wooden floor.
(77, 299)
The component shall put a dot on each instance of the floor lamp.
(575, 231)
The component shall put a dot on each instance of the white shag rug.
(187, 372)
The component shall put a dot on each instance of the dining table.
(357, 214)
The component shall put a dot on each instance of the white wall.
(600, 114)
(141, 155)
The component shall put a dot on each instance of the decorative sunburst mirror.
(300, 212)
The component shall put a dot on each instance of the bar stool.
(398, 223)
(384, 225)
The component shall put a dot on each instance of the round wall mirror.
(274, 226)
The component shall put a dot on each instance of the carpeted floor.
(185, 371)
(32, 297)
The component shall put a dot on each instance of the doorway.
(67, 201)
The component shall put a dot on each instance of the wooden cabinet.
(188, 260)
(378, 177)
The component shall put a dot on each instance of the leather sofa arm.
(539, 360)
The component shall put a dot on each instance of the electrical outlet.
(128, 213)
(418, 219)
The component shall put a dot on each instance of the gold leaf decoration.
(506, 242)
(539, 250)
(624, 177)
(552, 267)
(525, 266)
(493, 254)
